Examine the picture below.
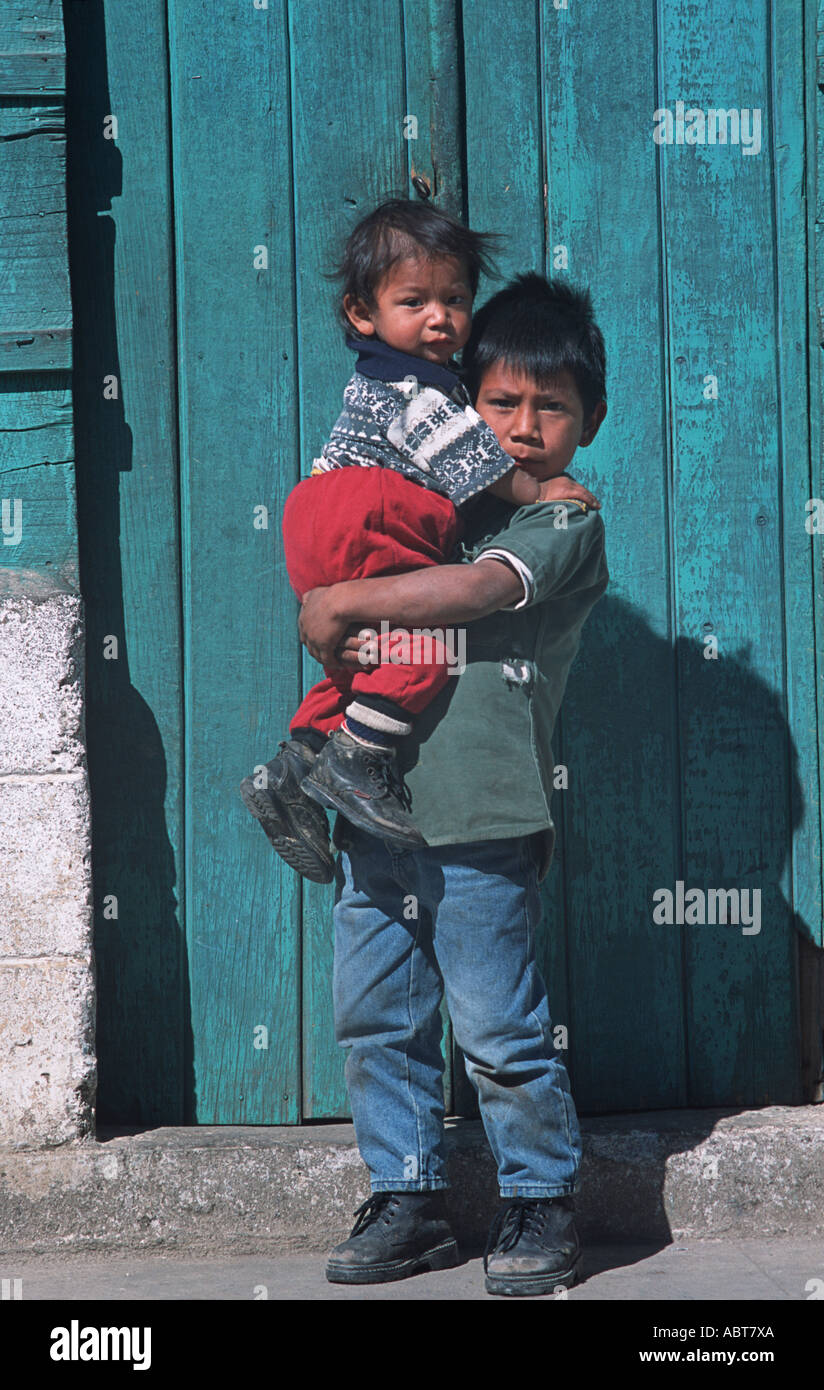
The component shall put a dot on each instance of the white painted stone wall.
(47, 991)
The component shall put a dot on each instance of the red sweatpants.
(357, 523)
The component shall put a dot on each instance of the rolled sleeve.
(522, 570)
(559, 544)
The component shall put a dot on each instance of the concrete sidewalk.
(750, 1270)
(234, 1190)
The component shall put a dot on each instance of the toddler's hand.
(564, 488)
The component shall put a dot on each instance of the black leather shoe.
(533, 1247)
(295, 826)
(365, 786)
(397, 1234)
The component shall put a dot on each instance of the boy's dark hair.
(400, 227)
(539, 327)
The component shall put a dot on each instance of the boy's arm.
(559, 547)
(433, 596)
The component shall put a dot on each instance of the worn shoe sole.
(445, 1256)
(524, 1285)
(297, 852)
(363, 821)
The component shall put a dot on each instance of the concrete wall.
(47, 1062)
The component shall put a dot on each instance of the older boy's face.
(540, 427)
(421, 307)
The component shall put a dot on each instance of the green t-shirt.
(479, 763)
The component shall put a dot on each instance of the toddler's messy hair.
(398, 228)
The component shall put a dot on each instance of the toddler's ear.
(358, 315)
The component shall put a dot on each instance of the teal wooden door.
(247, 145)
(681, 767)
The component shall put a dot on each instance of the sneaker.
(294, 825)
(365, 786)
(396, 1234)
(533, 1247)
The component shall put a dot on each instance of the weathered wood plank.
(35, 302)
(37, 480)
(349, 153)
(34, 74)
(814, 187)
(124, 404)
(801, 882)
(619, 735)
(811, 956)
(35, 350)
(32, 54)
(235, 278)
(37, 474)
(433, 99)
(505, 161)
(727, 492)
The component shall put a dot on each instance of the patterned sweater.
(415, 416)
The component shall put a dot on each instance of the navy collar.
(384, 363)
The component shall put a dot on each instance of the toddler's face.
(421, 307)
(540, 427)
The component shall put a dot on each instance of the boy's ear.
(593, 425)
(358, 315)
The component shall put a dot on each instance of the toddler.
(407, 454)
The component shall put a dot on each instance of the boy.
(462, 913)
(407, 451)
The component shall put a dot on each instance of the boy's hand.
(322, 630)
(564, 488)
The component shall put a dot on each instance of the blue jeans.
(461, 917)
